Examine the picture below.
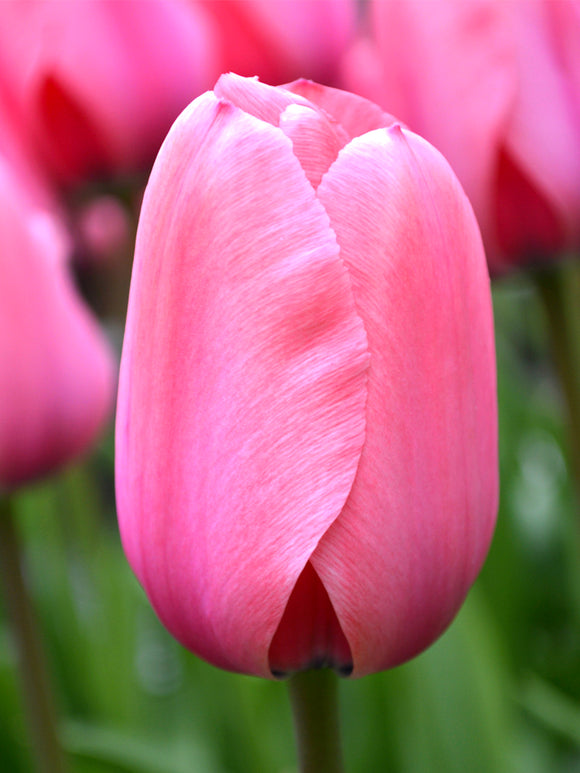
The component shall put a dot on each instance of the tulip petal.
(527, 224)
(355, 114)
(309, 634)
(316, 137)
(242, 388)
(400, 558)
(256, 98)
(283, 39)
(542, 135)
(451, 75)
(315, 141)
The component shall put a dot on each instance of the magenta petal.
(243, 384)
(399, 560)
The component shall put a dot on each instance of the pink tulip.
(56, 371)
(96, 85)
(282, 39)
(495, 86)
(306, 428)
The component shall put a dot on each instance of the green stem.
(559, 290)
(314, 699)
(33, 674)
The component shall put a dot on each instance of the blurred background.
(88, 90)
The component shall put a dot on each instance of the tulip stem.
(314, 700)
(37, 697)
(559, 290)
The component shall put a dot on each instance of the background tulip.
(56, 370)
(495, 87)
(95, 85)
(306, 429)
(284, 39)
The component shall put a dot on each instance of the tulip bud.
(56, 369)
(96, 85)
(306, 433)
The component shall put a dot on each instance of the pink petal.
(542, 134)
(528, 224)
(256, 98)
(241, 403)
(317, 134)
(56, 370)
(399, 560)
(315, 141)
(355, 114)
(450, 74)
(563, 25)
(283, 39)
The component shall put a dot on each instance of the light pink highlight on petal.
(316, 136)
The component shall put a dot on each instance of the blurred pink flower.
(306, 430)
(104, 230)
(56, 369)
(280, 40)
(495, 86)
(95, 85)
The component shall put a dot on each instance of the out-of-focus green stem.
(33, 674)
(314, 699)
(559, 289)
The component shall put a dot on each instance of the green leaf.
(551, 708)
(132, 754)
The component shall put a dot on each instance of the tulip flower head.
(306, 431)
